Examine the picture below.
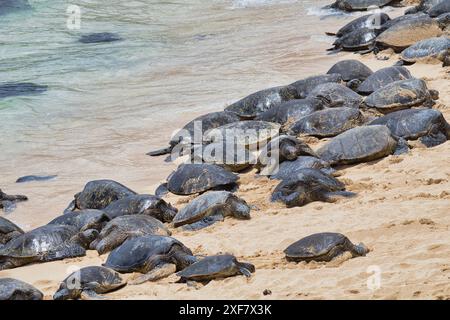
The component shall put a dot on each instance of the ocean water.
(108, 104)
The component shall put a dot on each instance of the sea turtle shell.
(436, 48)
(382, 78)
(13, 289)
(8, 230)
(338, 93)
(351, 69)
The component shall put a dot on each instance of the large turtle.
(308, 185)
(440, 8)
(288, 169)
(125, 227)
(211, 207)
(423, 6)
(324, 246)
(8, 202)
(432, 49)
(358, 40)
(382, 78)
(141, 204)
(215, 267)
(193, 178)
(8, 230)
(83, 220)
(328, 122)
(351, 70)
(88, 282)
(338, 93)
(305, 86)
(427, 125)
(44, 244)
(13, 289)
(98, 194)
(400, 95)
(258, 102)
(352, 5)
(155, 257)
(359, 144)
(371, 21)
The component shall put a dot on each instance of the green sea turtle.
(211, 207)
(98, 194)
(8, 231)
(286, 148)
(8, 202)
(215, 267)
(338, 93)
(125, 227)
(400, 95)
(154, 257)
(289, 169)
(432, 49)
(324, 246)
(361, 144)
(351, 70)
(382, 78)
(353, 5)
(440, 8)
(358, 40)
(371, 21)
(83, 220)
(89, 283)
(141, 204)
(328, 122)
(427, 125)
(258, 102)
(305, 86)
(424, 6)
(13, 289)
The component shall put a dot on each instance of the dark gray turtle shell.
(359, 144)
(258, 102)
(382, 78)
(328, 122)
(357, 40)
(98, 194)
(83, 220)
(424, 6)
(440, 8)
(350, 5)
(305, 86)
(322, 247)
(215, 267)
(338, 93)
(433, 48)
(394, 21)
(197, 178)
(399, 95)
(13, 289)
(212, 203)
(288, 169)
(141, 254)
(286, 147)
(367, 21)
(95, 278)
(141, 204)
(8, 230)
(351, 69)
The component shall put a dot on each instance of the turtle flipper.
(159, 152)
(336, 195)
(160, 272)
(67, 250)
(71, 207)
(161, 190)
(402, 147)
(205, 222)
(90, 294)
(245, 272)
(433, 140)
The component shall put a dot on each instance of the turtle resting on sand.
(256, 103)
(288, 169)
(340, 95)
(359, 40)
(155, 257)
(215, 267)
(8, 231)
(141, 204)
(12, 289)
(328, 122)
(353, 5)
(44, 244)
(423, 6)
(87, 283)
(125, 227)
(8, 202)
(305, 86)
(351, 70)
(440, 8)
(284, 148)
(427, 125)
(309, 185)
(83, 220)
(211, 207)
(98, 194)
(382, 78)
(324, 246)
(359, 144)
(400, 95)
(371, 21)
(432, 49)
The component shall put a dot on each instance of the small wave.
(239, 4)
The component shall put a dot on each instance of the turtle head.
(289, 151)
(239, 208)
(361, 249)
(444, 20)
(62, 294)
(434, 94)
(86, 237)
(354, 84)
(246, 268)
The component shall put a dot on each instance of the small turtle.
(324, 246)
(351, 70)
(338, 93)
(99, 37)
(215, 267)
(258, 102)
(371, 21)
(83, 220)
(353, 5)
(141, 204)
(35, 178)
(400, 95)
(305, 86)
(209, 208)
(8, 202)
(437, 48)
(358, 40)
(197, 178)
(13, 89)
(382, 78)
(87, 283)
(8, 231)
(440, 8)
(98, 194)
(286, 148)
(289, 169)
(328, 122)
(155, 257)
(427, 125)
(359, 144)
(125, 227)
(13, 289)
(308, 185)
(44, 244)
